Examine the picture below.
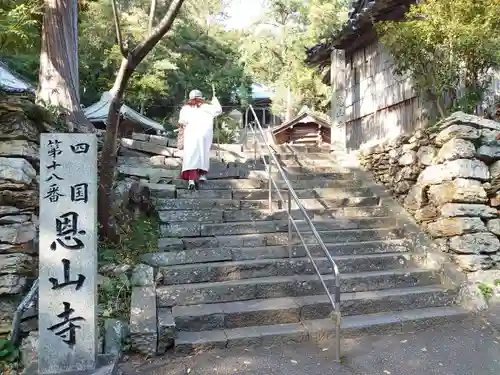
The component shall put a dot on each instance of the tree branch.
(152, 12)
(116, 17)
(163, 27)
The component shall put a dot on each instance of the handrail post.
(255, 148)
(338, 315)
(270, 181)
(289, 210)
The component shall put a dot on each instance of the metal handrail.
(291, 194)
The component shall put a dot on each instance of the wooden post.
(337, 80)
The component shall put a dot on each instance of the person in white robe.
(197, 119)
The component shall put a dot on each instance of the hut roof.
(10, 81)
(303, 117)
(98, 112)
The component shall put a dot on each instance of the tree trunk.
(58, 84)
(288, 113)
(131, 59)
(109, 155)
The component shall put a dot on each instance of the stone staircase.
(226, 277)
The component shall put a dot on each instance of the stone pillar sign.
(68, 253)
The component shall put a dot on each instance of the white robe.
(198, 134)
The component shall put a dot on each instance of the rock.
(495, 172)
(456, 131)
(487, 277)
(26, 248)
(150, 148)
(471, 120)
(166, 330)
(15, 219)
(121, 193)
(447, 227)
(495, 201)
(402, 187)
(408, 158)
(407, 173)
(476, 243)
(470, 295)
(457, 191)
(17, 233)
(19, 126)
(489, 137)
(442, 244)
(21, 264)
(416, 198)
(456, 148)
(16, 170)
(21, 199)
(113, 269)
(426, 155)
(143, 320)
(143, 275)
(12, 284)
(488, 153)
(464, 209)
(494, 226)
(427, 213)
(473, 263)
(20, 149)
(29, 349)
(116, 332)
(8, 306)
(460, 168)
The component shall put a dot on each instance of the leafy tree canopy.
(447, 47)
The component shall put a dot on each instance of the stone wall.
(448, 178)
(21, 123)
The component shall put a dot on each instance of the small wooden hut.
(375, 102)
(130, 121)
(306, 129)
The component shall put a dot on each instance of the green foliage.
(138, 238)
(273, 50)
(19, 24)
(195, 54)
(226, 129)
(447, 48)
(486, 290)
(9, 355)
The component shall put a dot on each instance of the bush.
(448, 48)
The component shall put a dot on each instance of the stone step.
(312, 155)
(177, 255)
(248, 269)
(147, 147)
(157, 161)
(200, 229)
(281, 238)
(186, 217)
(270, 311)
(156, 139)
(372, 218)
(262, 174)
(307, 162)
(161, 203)
(246, 183)
(320, 330)
(316, 169)
(261, 194)
(290, 286)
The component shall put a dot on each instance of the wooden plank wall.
(378, 103)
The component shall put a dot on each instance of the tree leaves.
(447, 47)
